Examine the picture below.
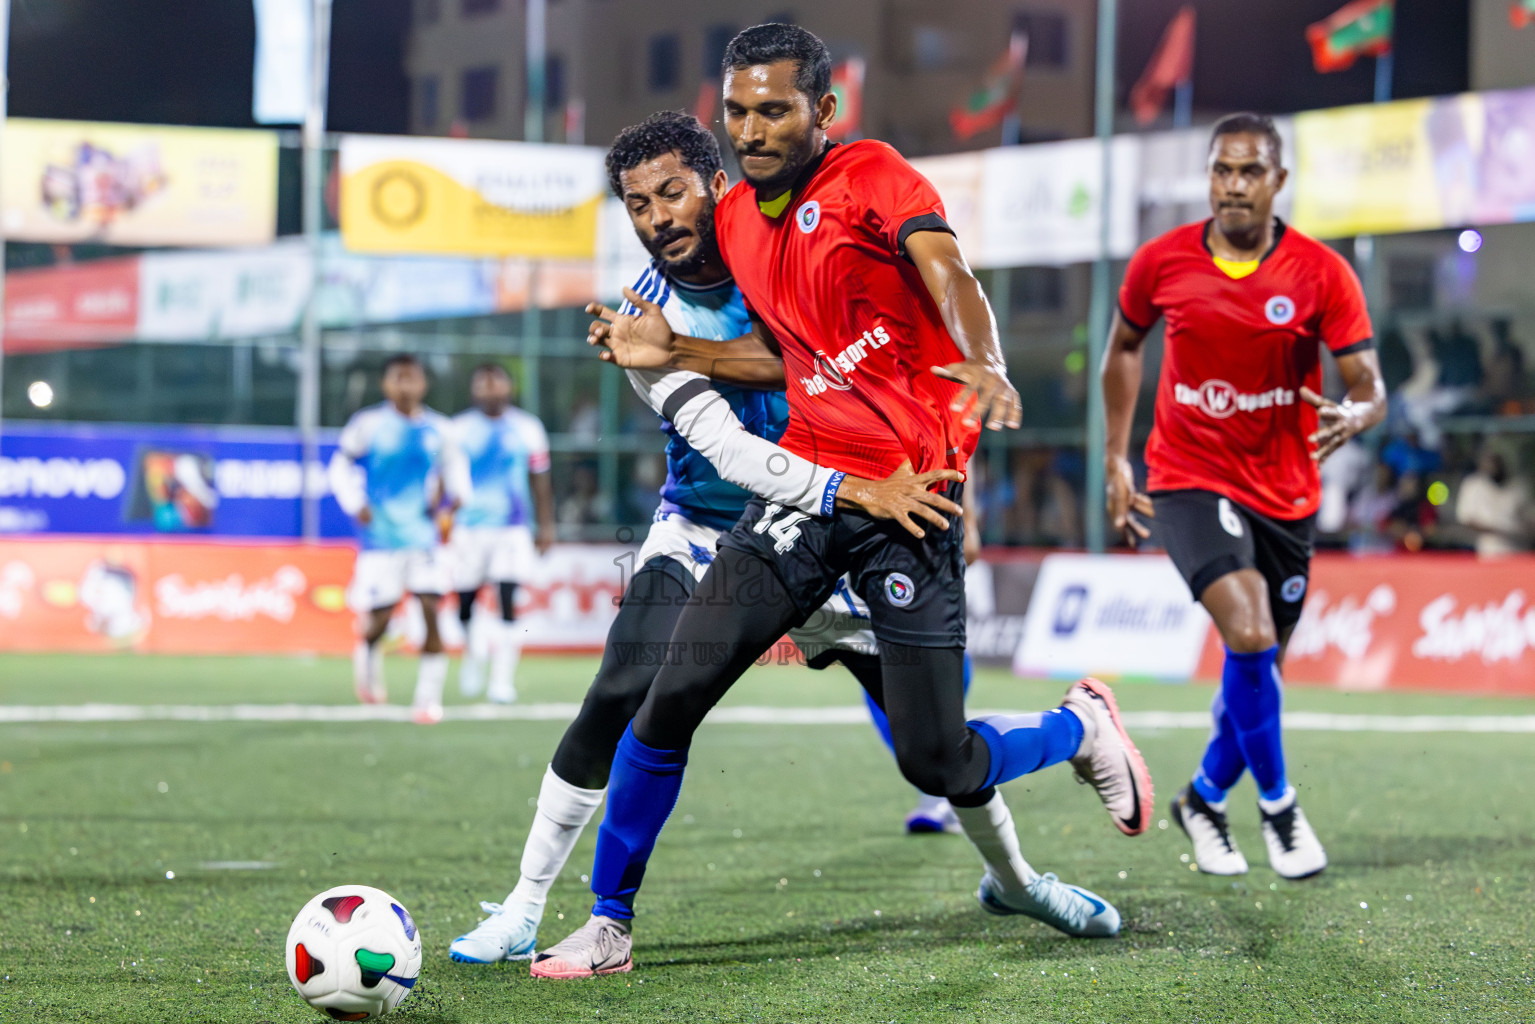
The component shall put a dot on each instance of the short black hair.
(402, 359)
(773, 43)
(667, 131)
(494, 369)
(1251, 124)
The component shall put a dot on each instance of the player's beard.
(694, 261)
(773, 186)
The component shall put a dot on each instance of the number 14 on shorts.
(784, 532)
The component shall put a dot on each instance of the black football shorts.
(1208, 535)
(915, 589)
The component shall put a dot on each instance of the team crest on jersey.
(808, 216)
(899, 589)
(1293, 589)
(1280, 310)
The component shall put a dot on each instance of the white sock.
(471, 665)
(1275, 806)
(563, 811)
(368, 663)
(930, 806)
(429, 679)
(990, 830)
(505, 652)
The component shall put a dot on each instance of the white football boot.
(933, 814)
(1108, 760)
(1294, 850)
(1215, 852)
(509, 933)
(602, 945)
(1069, 908)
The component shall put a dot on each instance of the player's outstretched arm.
(348, 483)
(707, 422)
(1123, 364)
(645, 341)
(1362, 407)
(988, 395)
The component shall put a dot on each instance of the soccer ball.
(353, 952)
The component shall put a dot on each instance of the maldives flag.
(847, 86)
(1521, 13)
(1170, 67)
(707, 102)
(1359, 29)
(989, 105)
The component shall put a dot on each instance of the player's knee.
(1249, 637)
(927, 765)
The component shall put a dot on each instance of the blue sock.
(642, 791)
(882, 722)
(1223, 763)
(1021, 744)
(1250, 688)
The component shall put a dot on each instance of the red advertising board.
(69, 306)
(1429, 622)
(174, 598)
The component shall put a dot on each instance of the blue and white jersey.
(693, 487)
(395, 466)
(501, 452)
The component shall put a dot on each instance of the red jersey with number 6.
(825, 270)
(1229, 416)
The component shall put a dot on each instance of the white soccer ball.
(354, 952)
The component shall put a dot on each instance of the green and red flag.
(1171, 66)
(847, 86)
(989, 105)
(1358, 29)
(1521, 13)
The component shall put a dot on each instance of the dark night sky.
(1253, 54)
(190, 62)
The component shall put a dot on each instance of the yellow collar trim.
(1237, 269)
(776, 207)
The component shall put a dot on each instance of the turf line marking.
(1298, 721)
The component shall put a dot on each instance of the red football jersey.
(1229, 416)
(826, 273)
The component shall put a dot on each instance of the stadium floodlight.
(1470, 240)
(40, 393)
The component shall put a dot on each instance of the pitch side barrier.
(1428, 621)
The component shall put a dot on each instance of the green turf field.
(782, 890)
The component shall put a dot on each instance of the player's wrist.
(841, 491)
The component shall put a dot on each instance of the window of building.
(935, 48)
(665, 62)
(479, 94)
(428, 101)
(1047, 38)
(715, 40)
(781, 18)
(480, 6)
(554, 82)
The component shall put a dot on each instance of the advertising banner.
(1112, 616)
(959, 179)
(1426, 622)
(1044, 204)
(203, 296)
(79, 304)
(173, 598)
(111, 479)
(470, 197)
(138, 185)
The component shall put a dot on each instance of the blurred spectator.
(584, 505)
(585, 420)
(1412, 521)
(1410, 454)
(1496, 506)
(1504, 390)
(1371, 507)
(1438, 385)
(1043, 505)
(1342, 474)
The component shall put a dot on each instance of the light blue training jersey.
(718, 312)
(502, 452)
(402, 459)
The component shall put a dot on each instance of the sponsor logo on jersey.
(832, 372)
(1219, 399)
(899, 589)
(1293, 589)
(808, 216)
(1280, 310)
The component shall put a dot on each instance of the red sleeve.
(897, 199)
(1135, 295)
(1345, 325)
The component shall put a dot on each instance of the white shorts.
(842, 622)
(381, 578)
(491, 554)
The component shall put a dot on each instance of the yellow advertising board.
(470, 197)
(1366, 170)
(138, 184)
